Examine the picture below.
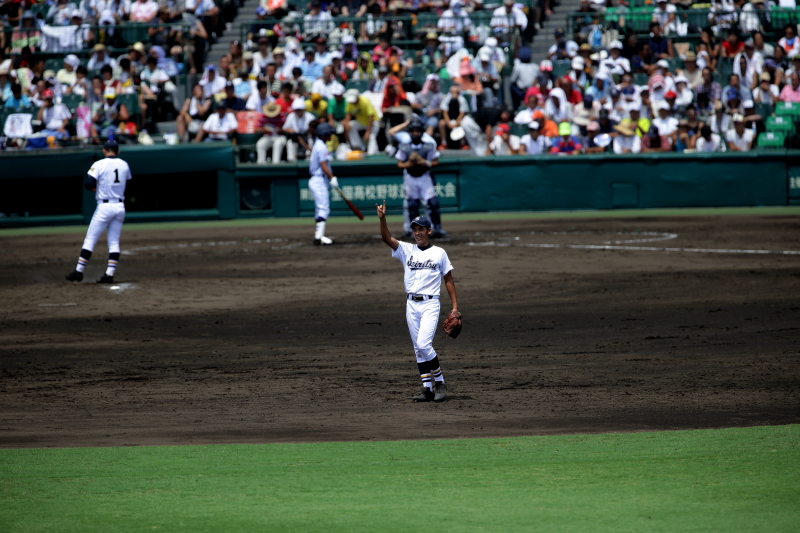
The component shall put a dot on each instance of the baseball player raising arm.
(107, 178)
(322, 179)
(425, 265)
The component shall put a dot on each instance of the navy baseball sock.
(83, 259)
(113, 261)
(435, 370)
(425, 374)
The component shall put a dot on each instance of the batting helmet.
(415, 124)
(324, 130)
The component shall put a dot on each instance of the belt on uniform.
(113, 200)
(421, 297)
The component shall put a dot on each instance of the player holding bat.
(322, 179)
(425, 265)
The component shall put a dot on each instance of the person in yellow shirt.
(361, 122)
(316, 105)
(640, 124)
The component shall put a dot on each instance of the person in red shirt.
(285, 98)
(733, 44)
(574, 95)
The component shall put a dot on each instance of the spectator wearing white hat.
(615, 62)
(577, 72)
(508, 18)
(295, 129)
(684, 95)
(361, 123)
(664, 15)
(534, 143)
(337, 107)
(100, 58)
(640, 124)
(67, 75)
(739, 139)
(488, 76)
(720, 121)
(496, 54)
(455, 21)
(667, 125)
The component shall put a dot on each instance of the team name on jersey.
(416, 265)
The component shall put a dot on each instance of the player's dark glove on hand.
(419, 165)
(452, 324)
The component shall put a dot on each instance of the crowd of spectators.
(475, 87)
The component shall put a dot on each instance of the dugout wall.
(202, 182)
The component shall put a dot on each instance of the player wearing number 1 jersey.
(107, 178)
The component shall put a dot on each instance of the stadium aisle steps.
(544, 38)
(246, 13)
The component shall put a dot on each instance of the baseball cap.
(260, 11)
(110, 144)
(533, 125)
(681, 79)
(348, 39)
(663, 63)
(747, 104)
(614, 92)
(422, 222)
(577, 63)
(229, 85)
(738, 118)
(732, 93)
(603, 113)
(298, 104)
(72, 60)
(663, 105)
(309, 50)
(615, 44)
(635, 106)
(749, 43)
(670, 94)
(503, 128)
(337, 90)
(508, 2)
(559, 32)
(564, 129)
(47, 94)
(351, 95)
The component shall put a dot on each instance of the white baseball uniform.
(318, 184)
(423, 272)
(112, 174)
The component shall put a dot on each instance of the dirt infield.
(253, 335)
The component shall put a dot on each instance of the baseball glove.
(419, 165)
(452, 324)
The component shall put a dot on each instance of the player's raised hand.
(381, 209)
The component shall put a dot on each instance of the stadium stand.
(534, 77)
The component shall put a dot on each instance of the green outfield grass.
(256, 222)
(743, 479)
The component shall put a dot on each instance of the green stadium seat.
(640, 79)
(787, 109)
(561, 68)
(771, 140)
(131, 101)
(54, 64)
(360, 85)
(782, 124)
(765, 110)
(519, 129)
(72, 101)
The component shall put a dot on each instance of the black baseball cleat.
(74, 276)
(425, 395)
(441, 392)
(105, 278)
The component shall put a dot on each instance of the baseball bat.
(350, 204)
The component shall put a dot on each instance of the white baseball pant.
(107, 217)
(276, 142)
(422, 318)
(355, 140)
(418, 188)
(320, 190)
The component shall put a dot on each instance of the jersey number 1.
(116, 175)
